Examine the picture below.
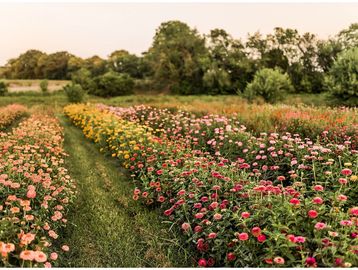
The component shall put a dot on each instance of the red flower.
(245, 214)
(346, 172)
(312, 213)
(317, 200)
(256, 231)
(243, 236)
(310, 261)
(230, 256)
(159, 172)
(261, 238)
(202, 262)
(295, 201)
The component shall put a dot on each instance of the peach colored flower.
(27, 255)
(40, 256)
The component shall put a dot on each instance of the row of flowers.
(35, 192)
(10, 113)
(237, 209)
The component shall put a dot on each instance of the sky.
(87, 29)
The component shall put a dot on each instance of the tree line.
(182, 61)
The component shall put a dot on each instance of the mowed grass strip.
(107, 227)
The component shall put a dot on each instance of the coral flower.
(40, 256)
(31, 194)
(279, 260)
(256, 231)
(27, 255)
(53, 256)
(185, 226)
(317, 200)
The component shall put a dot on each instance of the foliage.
(342, 80)
(113, 84)
(44, 86)
(3, 88)
(84, 78)
(74, 93)
(269, 84)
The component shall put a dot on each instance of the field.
(16, 86)
(169, 181)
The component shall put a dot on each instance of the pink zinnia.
(212, 235)
(346, 172)
(185, 226)
(243, 236)
(320, 225)
(317, 200)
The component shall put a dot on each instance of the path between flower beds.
(107, 228)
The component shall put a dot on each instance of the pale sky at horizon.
(86, 29)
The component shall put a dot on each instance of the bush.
(113, 84)
(342, 80)
(83, 77)
(270, 84)
(3, 88)
(44, 86)
(74, 92)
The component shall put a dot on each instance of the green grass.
(107, 227)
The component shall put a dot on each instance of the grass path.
(107, 228)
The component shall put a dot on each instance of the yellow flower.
(354, 178)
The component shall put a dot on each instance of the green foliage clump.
(113, 84)
(44, 86)
(3, 88)
(83, 77)
(269, 84)
(74, 92)
(342, 79)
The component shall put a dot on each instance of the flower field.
(35, 192)
(10, 113)
(276, 199)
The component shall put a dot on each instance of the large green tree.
(176, 57)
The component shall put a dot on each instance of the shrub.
(44, 86)
(3, 88)
(74, 92)
(342, 80)
(113, 84)
(270, 84)
(83, 78)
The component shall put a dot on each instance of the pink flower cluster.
(35, 191)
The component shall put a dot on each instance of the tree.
(327, 52)
(54, 66)
(176, 58)
(227, 68)
(84, 78)
(349, 37)
(96, 65)
(342, 79)
(25, 66)
(123, 62)
(270, 84)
